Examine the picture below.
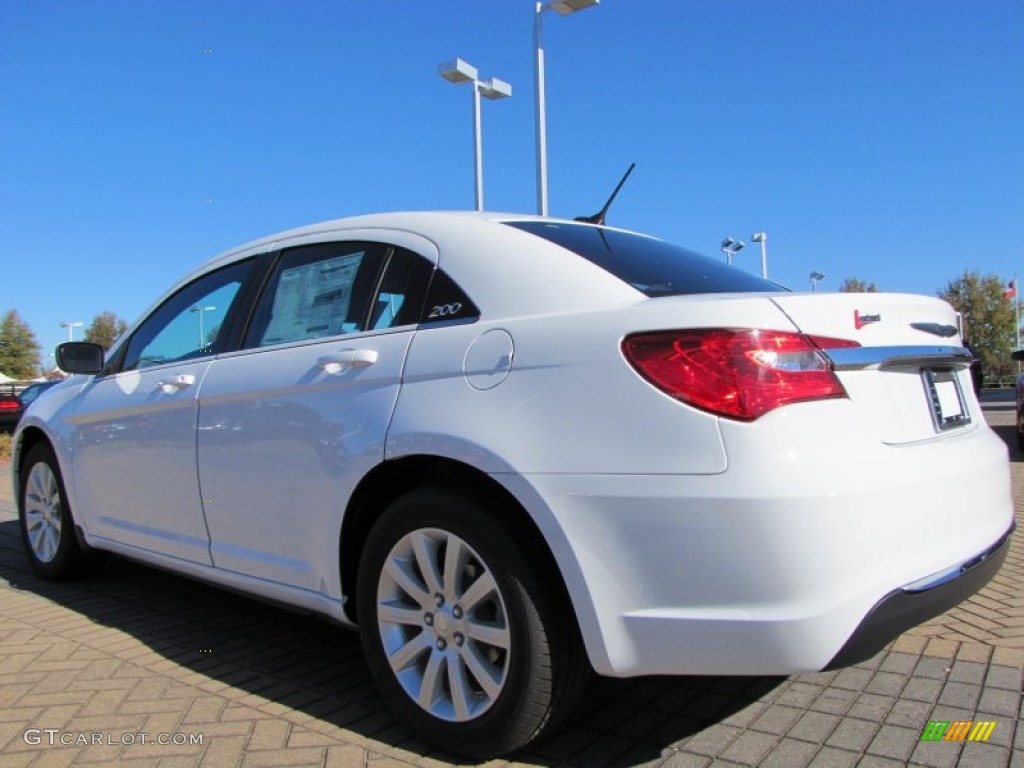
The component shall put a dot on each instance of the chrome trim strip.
(861, 358)
(937, 579)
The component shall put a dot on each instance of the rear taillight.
(9, 405)
(738, 373)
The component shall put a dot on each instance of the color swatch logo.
(958, 730)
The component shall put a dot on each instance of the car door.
(290, 423)
(134, 428)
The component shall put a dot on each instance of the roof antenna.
(598, 218)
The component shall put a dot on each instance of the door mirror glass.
(80, 357)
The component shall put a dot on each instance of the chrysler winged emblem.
(936, 329)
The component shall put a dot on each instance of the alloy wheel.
(43, 512)
(443, 625)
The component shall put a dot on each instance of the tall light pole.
(71, 325)
(816, 277)
(199, 311)
(459, 72)
(762, 238)
(563, 8)
(731, 247)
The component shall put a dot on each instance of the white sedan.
(513, 450)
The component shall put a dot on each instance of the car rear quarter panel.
(689, 543)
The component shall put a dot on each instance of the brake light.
(737, 373)
(9, 405)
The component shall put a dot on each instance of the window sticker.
(312, 300)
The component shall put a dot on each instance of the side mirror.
(1018, 355)
(80, 357)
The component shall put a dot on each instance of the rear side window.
(317, 291)
(653, 267)
(399, 300)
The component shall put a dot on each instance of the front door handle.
(339, 362)
(181, 381)
(362, 358)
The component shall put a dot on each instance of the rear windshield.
(653, 267)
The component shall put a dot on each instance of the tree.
(856, 285)
(19, 349)
(988, 319)
(105, 329)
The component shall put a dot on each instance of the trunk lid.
(910, 377)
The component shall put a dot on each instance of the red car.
(10, 409)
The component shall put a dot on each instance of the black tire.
(1020, 430)
(47, 525)
(536, 667)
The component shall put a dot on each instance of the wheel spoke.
(430, 687)
(49, 545)
(35, 491)
(480, 589)
(454, 559)
(405, 655)
(486, 675)
(462, 694)
(490, 633)
(396, 614)
(425, 549)
(35, 532)
(400, 571)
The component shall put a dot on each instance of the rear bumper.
(904, 608)
(779, 565)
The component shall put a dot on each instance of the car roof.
(422, 222)
(506, 271)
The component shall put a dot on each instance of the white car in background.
(513, 450)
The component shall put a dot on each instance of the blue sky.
(870, 138)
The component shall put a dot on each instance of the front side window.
(188, 325)
(317, 291)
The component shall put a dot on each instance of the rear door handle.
(181, 381)
(339, 362)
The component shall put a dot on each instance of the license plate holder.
(946, 398)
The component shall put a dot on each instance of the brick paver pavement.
(134, 651)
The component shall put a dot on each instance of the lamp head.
(493, 88)
(457, 71)
(565, 7)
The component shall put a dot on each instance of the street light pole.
(200, 311)
(816, 277)
(71, 325)
(731, 247)
(540, 114)
(478, 152)
(762, 238)
(563, 8)
(459, 72)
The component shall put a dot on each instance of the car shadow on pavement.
(317, 668)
